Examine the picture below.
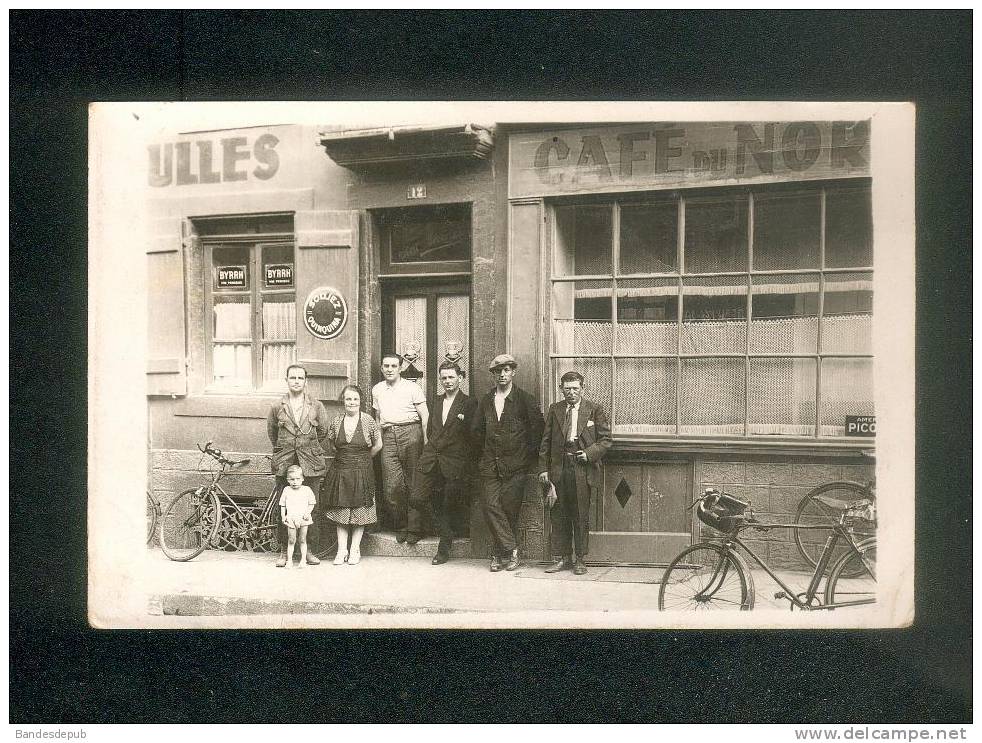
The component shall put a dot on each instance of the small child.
(296, 504)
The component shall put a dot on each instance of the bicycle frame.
(228, 505)
(838, 532)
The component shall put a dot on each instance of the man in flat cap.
(508, 428)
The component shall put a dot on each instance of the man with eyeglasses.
(576, 438)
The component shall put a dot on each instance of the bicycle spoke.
(704, 578)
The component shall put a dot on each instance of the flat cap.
(501, 359)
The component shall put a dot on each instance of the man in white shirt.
(400, 408)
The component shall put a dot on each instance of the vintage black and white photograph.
(501, 365)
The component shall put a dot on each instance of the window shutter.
(166, 343)
(327, 257)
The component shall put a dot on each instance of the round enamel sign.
(325, 313)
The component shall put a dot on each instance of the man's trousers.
(437, 496)
(570, 522)
(401, 447)
(502, 509)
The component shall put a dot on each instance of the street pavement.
(241, 583)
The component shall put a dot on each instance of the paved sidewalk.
(404, 584)
(239, 583)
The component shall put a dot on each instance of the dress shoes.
(412, 538)
(401, 537)
(440, 558)
(579, 568)
(312, 559)
(564, 563)
(513, 561)
(495, 563)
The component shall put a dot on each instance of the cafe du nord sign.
(634, 157)
(325, 313)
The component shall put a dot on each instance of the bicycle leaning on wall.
(823, 507)
(713, 575)
(209, 516)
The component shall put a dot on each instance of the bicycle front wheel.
(189, 524)
(852, 580)
(706, 577)
(823, 507)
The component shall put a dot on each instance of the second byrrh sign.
(634, 157)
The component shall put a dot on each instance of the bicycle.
(823, 506)
(153, 516)
(714, 575)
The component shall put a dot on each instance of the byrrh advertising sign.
(635, 157)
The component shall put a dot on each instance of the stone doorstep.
(384, 544)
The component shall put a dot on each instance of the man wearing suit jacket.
(446, 458)
(508, 428)
(576, 438)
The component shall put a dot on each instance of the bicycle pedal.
(780, 595)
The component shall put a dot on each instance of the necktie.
(567, 421)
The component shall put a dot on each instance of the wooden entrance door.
(642, 516)
(427, 316)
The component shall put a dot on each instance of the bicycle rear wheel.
(189, 524)
(706, 577)
(823, 506)
(852, 580)
(153, 516)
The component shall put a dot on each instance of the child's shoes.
(341, 557)
(355, 557)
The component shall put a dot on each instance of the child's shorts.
(295, 522)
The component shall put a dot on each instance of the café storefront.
(713, 281)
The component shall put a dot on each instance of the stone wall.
(774, 490)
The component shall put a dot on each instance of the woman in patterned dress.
(349, 489)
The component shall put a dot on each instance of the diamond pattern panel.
(623, 492)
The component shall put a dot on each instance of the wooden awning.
(354, 148)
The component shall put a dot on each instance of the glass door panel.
(410, 338)
(453, 331)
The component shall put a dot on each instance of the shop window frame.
(821, 272)
(243, 233)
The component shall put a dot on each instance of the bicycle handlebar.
(217, 455)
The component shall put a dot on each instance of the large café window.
(735, 312)
(251, 304)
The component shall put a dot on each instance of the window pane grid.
(753, 317)
(253, 330)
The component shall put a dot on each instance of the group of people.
(427, 462)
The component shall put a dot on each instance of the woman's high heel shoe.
(341, 557)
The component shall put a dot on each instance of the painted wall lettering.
(218, 160)
(638, 157)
